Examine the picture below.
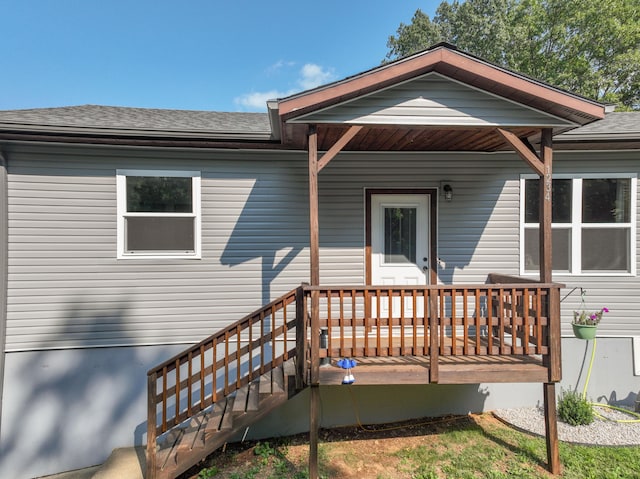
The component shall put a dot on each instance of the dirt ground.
(349, 452)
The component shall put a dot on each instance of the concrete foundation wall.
(68, 409)
(612, 377)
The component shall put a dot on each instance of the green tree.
(591, 47)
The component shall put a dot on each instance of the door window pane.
(560, 201)
(605, 249)
(400, 235)
(560, 244)
(606, 200)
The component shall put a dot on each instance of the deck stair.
(212, 392)
(224, 421)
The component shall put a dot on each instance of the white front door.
(399, 241)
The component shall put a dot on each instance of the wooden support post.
(546, 206)
(152, 380)
(553, 303)
(314, 428)
(314, 258)
(551, 428)
(314, 224)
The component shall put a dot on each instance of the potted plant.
(585, 323)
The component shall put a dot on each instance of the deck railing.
(518, 317)
(224, 362)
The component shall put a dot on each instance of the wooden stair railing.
(198, 399)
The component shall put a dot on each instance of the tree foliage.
(590, 47)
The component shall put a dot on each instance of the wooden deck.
(398, 335)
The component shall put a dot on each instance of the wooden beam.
(152, 380)
(338, 146)
(314, 430)
(314, 259)
(551, 428)
(522, 150)
(314, 245)
(546, 158)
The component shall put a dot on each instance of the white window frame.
(576, 223)
(121, 187)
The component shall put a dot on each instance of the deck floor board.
(399, 370)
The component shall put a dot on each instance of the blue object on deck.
(347, 363)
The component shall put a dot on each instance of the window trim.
(576, 225)
(121, 188)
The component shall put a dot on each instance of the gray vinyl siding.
(618, 293)
(432, 100)
(67, 289)
(478, 232)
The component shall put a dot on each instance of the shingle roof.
(230, 125)
(614, 126)
(138, 120)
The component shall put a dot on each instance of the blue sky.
(187, 54)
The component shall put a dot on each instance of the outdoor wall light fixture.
(448, 192)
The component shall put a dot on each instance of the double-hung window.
(158, 214)
(593, 224)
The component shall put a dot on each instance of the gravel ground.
(602, 432)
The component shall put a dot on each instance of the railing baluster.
(539, 321)
(238, 358)
(442, 316)
(261, 316)
(214, 371)
(329, 319)
(402, 314)
(465, 320)
(164, 399)
(501, 315)
(202, 377)
(189, 382)
(454, 332)
(514, 321)
(273, 336)
(226, 363)
(250, 328)
(381, 324)
(286, 330)
(525, 319)
(477, 321)
(378, 315)
(490, 320)
(415, 322)
(177, 387)
(353, 321)
(366, 323)
(341, 324)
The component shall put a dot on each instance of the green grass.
(464, 449)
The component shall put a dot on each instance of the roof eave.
(134, 133)
(447, 61)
